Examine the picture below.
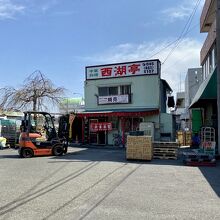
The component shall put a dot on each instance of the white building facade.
(122, 98)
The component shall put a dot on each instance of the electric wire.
(173, 42)
(184, 31)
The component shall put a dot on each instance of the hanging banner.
(71, 119)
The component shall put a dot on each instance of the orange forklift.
(39, 137)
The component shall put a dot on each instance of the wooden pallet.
(165, 157)
(165, 150)
(165, 154)
(165, 144)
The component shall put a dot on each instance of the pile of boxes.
(139, 148)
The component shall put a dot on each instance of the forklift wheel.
(27, 153)
(57, 150)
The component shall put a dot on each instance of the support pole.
(218, 67)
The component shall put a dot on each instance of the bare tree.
(36, 93)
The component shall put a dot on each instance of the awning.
(120, 113)
(207, 90)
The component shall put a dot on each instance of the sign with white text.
(148, 67)
(100, 126)
(117, 99)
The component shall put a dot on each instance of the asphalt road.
(100, 184)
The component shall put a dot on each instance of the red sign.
(100, 126)
(106, 71)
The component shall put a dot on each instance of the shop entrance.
(93, 135)
(102, 137)
(77, 130)
(97, 136)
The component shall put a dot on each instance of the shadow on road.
(212, 175)
(110, 155)
(9, 157)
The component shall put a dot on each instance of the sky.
(61, 37)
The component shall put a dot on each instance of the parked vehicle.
(39, 137)
(2, 143)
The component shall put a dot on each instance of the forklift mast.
(63, 129)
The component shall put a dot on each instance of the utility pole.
(218, 66)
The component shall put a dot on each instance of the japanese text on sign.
(100, 126)
(102, 100)
(148, 67)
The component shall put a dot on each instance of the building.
(180, 111)
(193, 80)
(122, 98)
(205, 99)
(68, 105)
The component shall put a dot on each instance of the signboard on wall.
(117, 99)
(147, 67)
(100, 126)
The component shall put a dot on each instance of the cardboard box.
(139, 147)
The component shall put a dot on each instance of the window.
(126, 89)
(213, 58)
(103, 91)
(114, 90)
(215, 54)
(203, 71)
(207, 67)
(210, 63)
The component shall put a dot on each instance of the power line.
(173, 42)
(185, 30)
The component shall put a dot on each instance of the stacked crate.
(139, 148)
(165, 150)
(184, 138)
(188, 138)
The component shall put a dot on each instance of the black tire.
(57, 150)
(116, 142)
(27, 153)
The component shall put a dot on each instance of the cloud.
(8, 9)
(181, 11)
(185, 56)
(47, 5)
(177, 13)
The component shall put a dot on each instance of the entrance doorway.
(93, 135)
(102, 137)
(97, 136)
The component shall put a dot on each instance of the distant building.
(180, 111)
(193, 80)
(68, 105)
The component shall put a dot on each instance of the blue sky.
(61, 37)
